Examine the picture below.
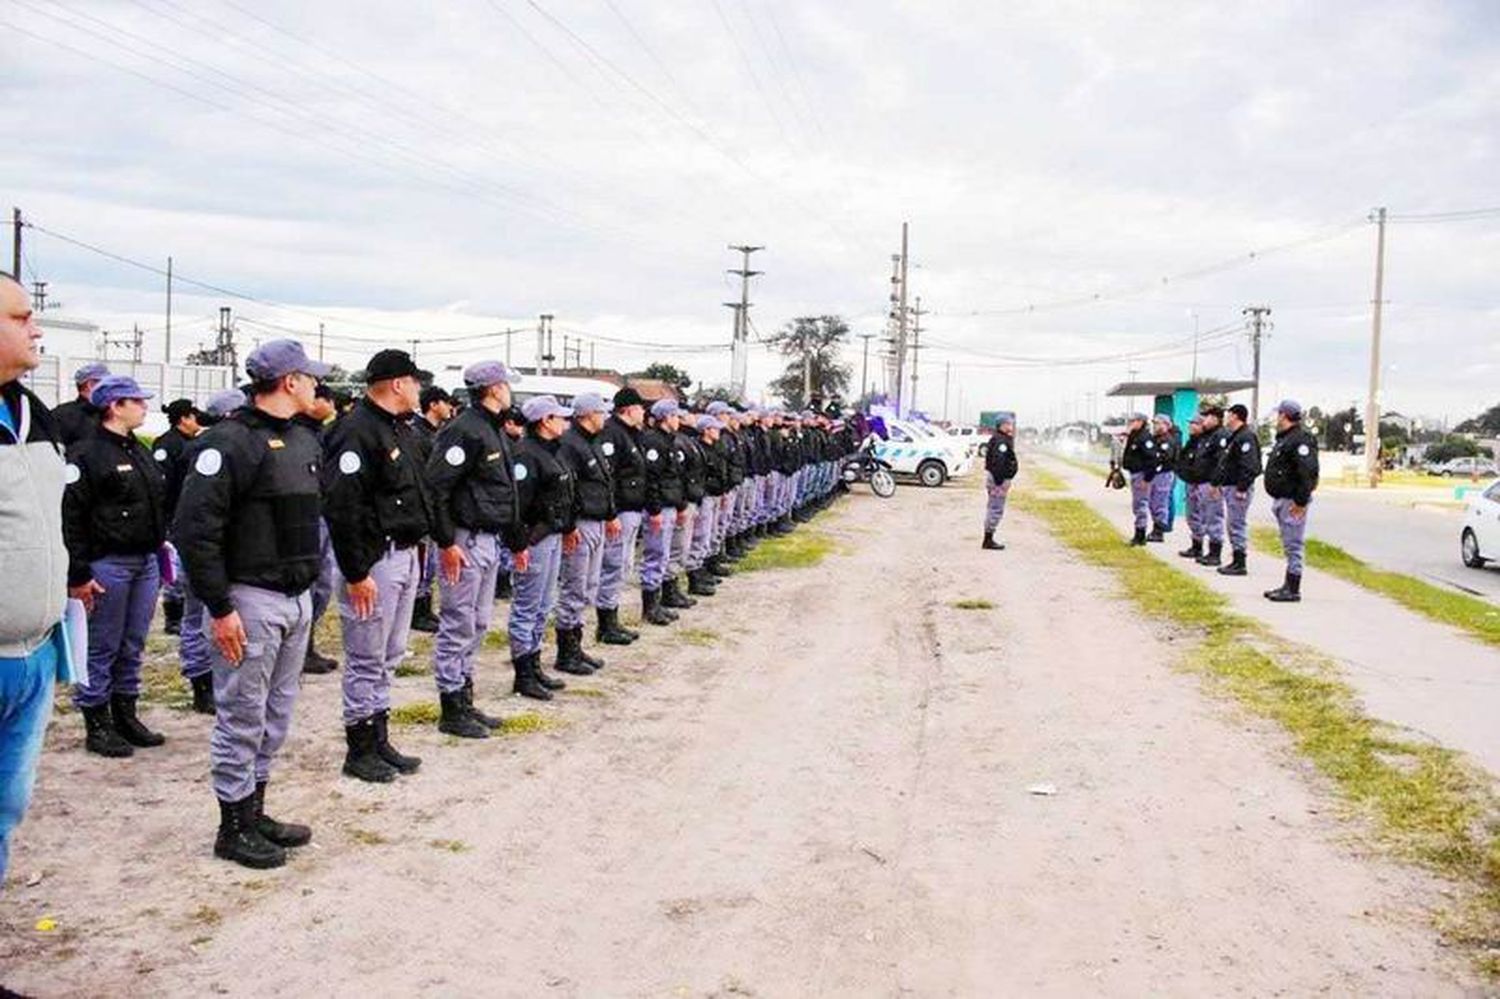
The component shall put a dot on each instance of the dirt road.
(824, 789)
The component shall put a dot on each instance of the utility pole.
(135, 344)
(1130, 400)
(508, 334)
(39, 296)
(565, 352)
(1372, 404)
(739, 361)
(167, 350)
(225, 352)
(320, 341)
(15, 245)
(864, 366)
(1257, 314)
(916, 346)
(544, 344)
(900, 300)
(592, 367)
(947, 376)
(1195, 347)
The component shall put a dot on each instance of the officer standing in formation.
(627, 468)
(248, 524)
(582, 449)
(1291, 478)
(1139, 459)
(317, 419)
(1215, 442)
(115, 524)
(79, 417)
(476, 515)
(184, 423)
(1000, 468)
(435, 409)
(666, 506)
(1163, 476)
(375, 501)
(1186, 468)
(1234, 480)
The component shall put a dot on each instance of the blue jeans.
(25, 705)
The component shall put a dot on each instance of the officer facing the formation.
(248, 526)
(476, 514)
(1205, 462)
(377, 511)
(544, 485)
(1235, 475)
(618, 441)
(184, 424)
(1291, 479)
(581, 448)
(1000, 468)
(665, 511)
(1139, 459)
(114, 524)
(1187, 471)
(1163, 477)
(79, 417)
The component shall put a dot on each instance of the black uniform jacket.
(1292, 466)
(115, 502)
(249, 508)
(664, 487)
(593, 487)
(1186, 465)
(76, 420)
(627, 463)
(544, 484)
(1239, 462)
(1000, 457)
(471, 480)
(1140, 453)
(168, 450)
(374, 493)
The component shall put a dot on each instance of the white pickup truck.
(931, 454)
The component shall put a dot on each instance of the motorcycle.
(864, 466)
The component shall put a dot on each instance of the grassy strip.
(973, 603)
(1093, 468)
(1043, 479)
(1424, 803)
(801, 549)
(1479, 618)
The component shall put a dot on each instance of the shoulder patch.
(651, 454)
(160, 454)
(455, 456)
(1303, 450)
(1004, 448)
(1245, 446)
(350, 463)
(608, 447)
(210, 460)
(71, 474)
(519, 471)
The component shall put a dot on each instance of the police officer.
(248, 526)
(324, 410)
(1206, 462)
(1238, 468)
(544, 484)
(1139, 459)
(1163, 477)
(513, 423)
(1291, 479)
(1187, 470)
(1000, 468)
(619, 442)
(665, 504)
(377, 511)
(114, 524)
(475, 514)
(435, 409)
(731, 523)
(689, 455)
(183, 419)
(706, 520)
(581, 447)
(79, 417)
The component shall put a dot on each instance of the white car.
(932, 455)
(970, 437)
(1480, 538)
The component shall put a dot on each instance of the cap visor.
(317, 369)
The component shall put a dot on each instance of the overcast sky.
(1069, 170)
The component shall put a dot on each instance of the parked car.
(1482, 468)
(917, 449)
(1479, 541)
(972, 438)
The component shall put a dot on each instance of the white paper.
(75, 637)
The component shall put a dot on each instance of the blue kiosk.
(1178, 400)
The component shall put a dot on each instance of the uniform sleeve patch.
(1245, 446)
(210, 460)
(608, 448)
(455, 456)
(520, 472)
(71, 474)
(651, 454)
(349, 463)
(1004, 448)
(1303, 450)
(160, 454)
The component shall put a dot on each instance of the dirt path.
(823, 790)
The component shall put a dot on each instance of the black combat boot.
(1139, 539)
(785, 525)
(421, 615)
(502, 586)
(1194, 550)
(1156, 534)
(456, 719)
(203, 693)
(990, 544)
(1236, 566)
(719, 566)
(240, 841)
(122, 709)
(404, 764)
(700, 583)
(672, 596)
(171, 616)
(592, 662)
(101, 736)
(734, 548)
(363, 758)
(609, 631)
(315, 662)
(1290, 591)
(1215, 554)
(542, 677)
(285, 834)
(570, 653)
(527, 684)
(652, 612)
(487, 720)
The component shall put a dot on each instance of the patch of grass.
(702, 637)
(526, 723)
(801, 549)
(420, 645)
(973, 603)
(498, 639)
(417, 713)
(586, 692)
(206, 915)
(414, 666)
(1043, 479)
(1479, 618)
(1424, 803)
(162, 683)
(451, 845)
(366, 837)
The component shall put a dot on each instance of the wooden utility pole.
(1372, 404)
(916, 346)
(739, 360)
(167, 349)
(864, 366)
(1257, 314)
(15, 245)
(900, 297)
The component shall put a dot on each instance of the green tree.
(812, 345)
(671, 374)
(1485, 424)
